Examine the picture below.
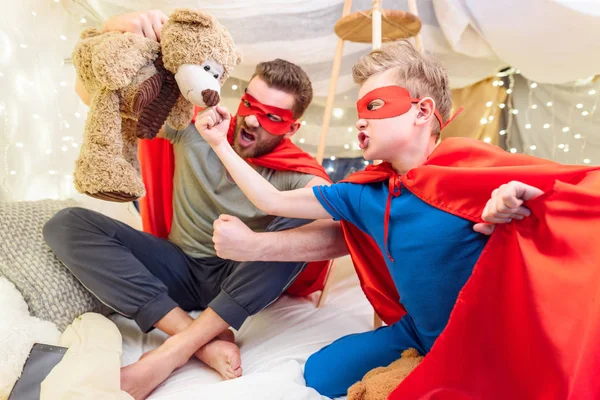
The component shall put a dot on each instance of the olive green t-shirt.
(202, 190)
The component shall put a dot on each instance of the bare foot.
(141, 378)
(222, 355)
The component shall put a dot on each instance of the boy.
(403, 100)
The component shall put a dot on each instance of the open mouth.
(363, 140)
(246, 139)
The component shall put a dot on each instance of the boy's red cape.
(527, 323)
(156, 208)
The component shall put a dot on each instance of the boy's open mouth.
(363, 140)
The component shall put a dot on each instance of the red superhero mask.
(396, 101)
(276, 121)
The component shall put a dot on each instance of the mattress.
(274, 345)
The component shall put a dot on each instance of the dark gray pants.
(144, 277)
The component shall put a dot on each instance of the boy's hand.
(213, 124)
(505, 205)
(146, 23)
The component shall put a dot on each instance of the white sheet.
(274, 346)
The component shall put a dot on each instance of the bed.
(274, 345)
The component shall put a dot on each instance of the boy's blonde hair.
(422, 75)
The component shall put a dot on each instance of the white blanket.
(274, 345)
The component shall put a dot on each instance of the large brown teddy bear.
(378, 383)
(135, 85)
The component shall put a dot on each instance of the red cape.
(526, 324)
(156, 208)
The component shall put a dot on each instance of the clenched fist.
(234, 240)
(213, 124)
(505, 205)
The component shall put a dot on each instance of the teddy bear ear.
(190, 16)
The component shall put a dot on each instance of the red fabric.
(156, 208)
(396, 101)
(526, 325)
(250, 106)
(157, 165)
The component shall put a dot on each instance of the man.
(153, 280)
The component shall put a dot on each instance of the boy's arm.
(299, 203)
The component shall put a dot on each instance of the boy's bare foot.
(222, 355)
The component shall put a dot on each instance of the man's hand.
(234, 240)
(146, 23)
(213, 124)
(505, 205)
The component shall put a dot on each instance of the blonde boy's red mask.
(396, 101)
(276, 121)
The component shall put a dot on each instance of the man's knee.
(321, 375)
(62, 227)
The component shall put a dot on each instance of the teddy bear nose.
(210, 97)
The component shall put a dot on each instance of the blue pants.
(334, 368)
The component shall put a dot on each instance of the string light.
(513, 150)
(502, 132)
(77, 115)
(515, 111)
(23, 46)
(483, 121)
(561, 146)
(332, 158)
(350, 129)
(366, 162)
(64, 148)
(19, 144)
(63, 37)
(565, 129)
(579, 106)
(586, 160)
(577, 136)
(592, 92)
(302, 140)
(534, 106)
(83, 20)
(338, 112)
(487, 139)
(13, 172)
(585, 113)
(347, 146)
(549, 104)
(533, 85)
(234, 87)
(303, 123)
(502, 105)
(546, 126)
(533, 147)
(527, 126)
(488, 104)
(74, 144)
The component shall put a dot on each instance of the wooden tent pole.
(335, 73)
(376, 24)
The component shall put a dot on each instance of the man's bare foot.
(141, 378)
(222, 355)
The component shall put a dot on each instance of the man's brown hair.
(290, 78)
(422, 75)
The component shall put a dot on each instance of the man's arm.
(319, 240)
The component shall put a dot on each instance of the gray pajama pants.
(144, 277)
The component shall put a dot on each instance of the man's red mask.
(276, 121)
(396, 101)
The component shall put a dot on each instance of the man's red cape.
(156, 208)
(527, 323)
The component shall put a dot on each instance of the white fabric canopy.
(41, 119)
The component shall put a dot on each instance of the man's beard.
(264, 142)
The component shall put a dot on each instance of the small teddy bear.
(378, 383)
(135, 85)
